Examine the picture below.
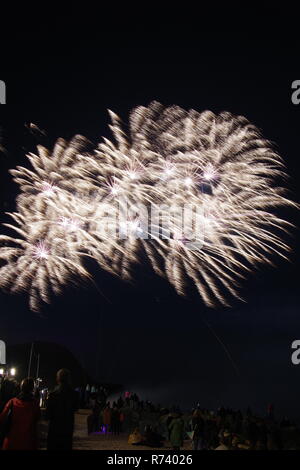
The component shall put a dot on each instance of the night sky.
(63, 76)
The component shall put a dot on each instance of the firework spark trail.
(223, 345)
(41, 262)
(170, 158)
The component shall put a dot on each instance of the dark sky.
(63, 75)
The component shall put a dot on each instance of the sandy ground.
(82, 441)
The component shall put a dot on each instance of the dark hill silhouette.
(52, 358)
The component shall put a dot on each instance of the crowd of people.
(225, 429)
(145, 423)
(228, 429)
(127, 412)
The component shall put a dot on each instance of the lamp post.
(38, 366)
(30, 360)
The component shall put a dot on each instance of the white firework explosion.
(170, 158)
(40, 260)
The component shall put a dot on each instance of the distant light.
(114, 190)
(1, 371)
(133, 225)
(132, 175)
(48, 188)
(209, 173)
(188, 181)
(130, 227)
(12, 372)
(41, 251)
(169, 169)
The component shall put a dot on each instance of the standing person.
(60, 410)
(107, 418)
(122, 419)
(93, 420)
(168, 422)
(24, 413)
(198, 428)
(176, 428)
(8, 389)
(115, 421)
(120, 402)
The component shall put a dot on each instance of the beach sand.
(99, 441)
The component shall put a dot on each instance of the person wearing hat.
(176, 428)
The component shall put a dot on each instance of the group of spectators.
(225, 429)
(105, 419)
(20, 414)
(145, 423)
(228, 429)
(113, 418)
(90, 394)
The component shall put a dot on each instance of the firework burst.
(39, 260)
(218, 164)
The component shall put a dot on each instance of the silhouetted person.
(93, 420)
(120, 402)
(107, 418)
(61, 406)
(8, 389)
(176, 431)
(24, 414)
(115, 421)
(198, 428)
